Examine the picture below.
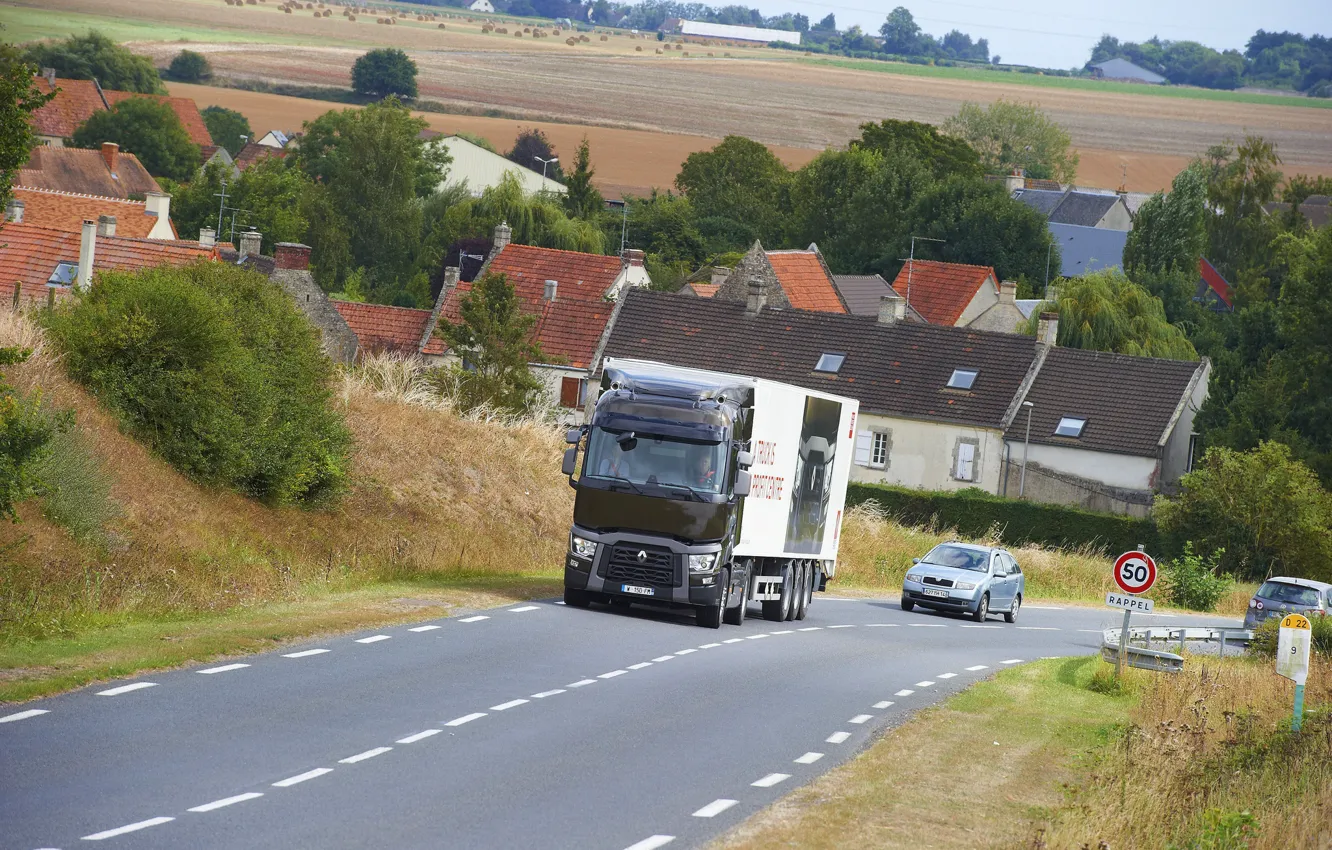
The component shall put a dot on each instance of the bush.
(1191, 582)
(25, 436)
(1264, 643)
(215, 369)
(973, 512)
(383, 72)
(76, 488)
(189, 67)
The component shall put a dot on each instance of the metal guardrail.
(1146, 658)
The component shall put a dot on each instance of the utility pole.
(911, 261)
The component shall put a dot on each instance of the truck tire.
(780, 609)
(736, 616)
(574, 598)
(711, 617)
(806, 575)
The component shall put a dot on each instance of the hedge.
(972, 512)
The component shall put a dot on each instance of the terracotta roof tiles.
(85, 172)
(75, 100)
(68, 211)
(806, 281)
(382, 328)
(940, 292)
(185, 108)
(253, 152)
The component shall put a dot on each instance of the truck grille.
(940, 582)
(656, 567)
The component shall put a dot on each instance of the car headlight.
(583, 548)
(916, 577)
(965, 585)
(702, 563)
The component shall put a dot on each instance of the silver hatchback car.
(1281, 595)
(966, 579)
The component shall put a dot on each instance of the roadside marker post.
(1293, 643)
(1135, 572)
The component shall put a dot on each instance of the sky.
(1060, 33)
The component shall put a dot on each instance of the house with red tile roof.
(252, 152)
(959, 295)
(184, 107)
(76, 100)
(146, 219)
(382, 328)
(798, 279)
(106, 173)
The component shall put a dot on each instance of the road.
(533, 725)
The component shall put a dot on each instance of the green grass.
(1076, 83)
(23, 24)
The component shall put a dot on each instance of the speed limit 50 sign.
(1135, 572)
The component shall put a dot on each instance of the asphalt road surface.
(532, 726)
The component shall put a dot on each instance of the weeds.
(76, 487)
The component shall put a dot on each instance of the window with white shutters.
(872, 448)
(966, 462)
(879, 451)
(864, 444)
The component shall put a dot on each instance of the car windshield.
(654, 461)
(959, 557)
(1290, 594)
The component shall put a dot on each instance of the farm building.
(1122, 69)
(482, 6)
(483, 169)
(734, 33)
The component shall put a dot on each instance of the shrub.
(25, 437)
(76, 488)
(1264, 643)
(190, 67)
(1190, 581)
(215, 369)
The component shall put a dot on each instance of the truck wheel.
(802, 591)
(711, 617)
(574, 598)
(736, 616)
(779, 609)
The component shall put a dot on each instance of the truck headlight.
(965, 585)
(702, 563)
(582, 548)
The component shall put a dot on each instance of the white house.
(482, 169)
(484, 6)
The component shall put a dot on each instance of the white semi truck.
(708, 491)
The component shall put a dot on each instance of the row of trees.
(1285, 60)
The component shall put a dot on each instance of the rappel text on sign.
(1128, 603)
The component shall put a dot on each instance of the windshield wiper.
(639, 490)
(698, 496)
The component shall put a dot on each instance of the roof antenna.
(911, 262)
(1123, 181)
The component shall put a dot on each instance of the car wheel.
(907, 604)
(711, 617)
(982, 609)
(1011, 616)
(574, 598)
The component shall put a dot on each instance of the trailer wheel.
(736, 616)
(802, 590)
(711, 617)
(780, 609)
(575, 598)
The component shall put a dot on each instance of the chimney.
(719, 275)
(632, 257)
(207, 237)
(87, 247)
(892, 309)
(157, 204)
(250, 243)
(50, 74)
(1007, 292)
(110, 151)
(14, 211)
(552, 287)
(1015, 180)
(1047, 329)
(291, 255)
(758, 294)
(503, 234)
(106, 225)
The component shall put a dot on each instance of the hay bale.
(638, 49)
(605, 38)
(517, 33)
(658, 51)
(571, 41)
(351, 18)
(442, 26)
(527, 29)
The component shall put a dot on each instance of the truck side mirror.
(744, 460)
(742, 481)
(570, 460)
(572, 436)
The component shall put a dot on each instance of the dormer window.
(1070, 426)
(962, 379)
(830, 363)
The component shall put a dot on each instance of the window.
(831, 363)
(64, 274)
(962, 379)
(572, 391)
(1070, 427)
(964, 468)
(873, 448)
(879, 451)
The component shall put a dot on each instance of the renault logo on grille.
(642, 557)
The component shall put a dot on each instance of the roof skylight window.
(1070, 426)
(831, 363)
(64, 274)
(962, 379)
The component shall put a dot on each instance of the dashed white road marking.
(478, 618)
(223, 669)
(1092, 631)
(770, 780)
(612, 674)
(785, 632)
(524, 608)
(368, 754)
(374, 639)
(837, 737)
(733, 640)
(505, 706)
(861, 718)
(710, 646)
(946, 676)
(883, 704)
(809, 758)
(423, 629)
(842, 627)
(229, 801)
(925, 684)
(581, 683)
(975, 626)
(882, 626)
(1039, 629)
(121, 830)
(809, 629)
(1012, 661)
(23, 715)
(905, 692)
(301, 777)
(930, 625)
(977, 667)
(306, 653)
(545, 694)
(652, 842)
(756, 637)
(124, 689)
(1043, 607)
(639, 666)
(661, 658)
(686, 652)
(716, 807)
(466, 718)
(419, 736)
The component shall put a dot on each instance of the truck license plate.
(641, 591)
(929, 591)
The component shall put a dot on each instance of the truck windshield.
(655, 461)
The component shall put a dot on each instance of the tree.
(383, 72)
(1240, 180)
(828, 23)
(901, 34)
(582, 200)
(1261, 511)
(531, 149)
(1009, 135)
(19, 98)
(1170, 231)
(147, 128)
(800, 22)
(226, 126)
(493, 339)
(190, 67)
(943, 155)
(739, 179)
(93, 56)
(1105, 311)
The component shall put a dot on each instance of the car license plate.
(640, 591)
(929, 591)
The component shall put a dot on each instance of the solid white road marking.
(842, 627)
(905, 692)
(124, 689)
(710, 646)
(809, 758)
(423, 629)
(1042, 607)
(716, 807)
(545, 694)
(419, 736)
(374, 639)
(925, 684)
(860, 718)
(368, 754)
(612, 674)
(478, 618)
(466, 718)
(883, 704)
(640, 665)
(306, 653)
(837, 737)
(1038, 628)
(581, 683)
(505, 706)
(756, 637)
(218, 804)
(121, 830)
(770, 780)
(223, 669)
(524, 608)
(785, 632)
(807, 629)
(1012, 661)
(301, 777)
(945, 675)
(977, 667)
(652, 842)
(686, 652)
(23, 715)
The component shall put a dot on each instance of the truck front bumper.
(676, 587)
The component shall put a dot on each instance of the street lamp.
(1026, 445)
(545, 162)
